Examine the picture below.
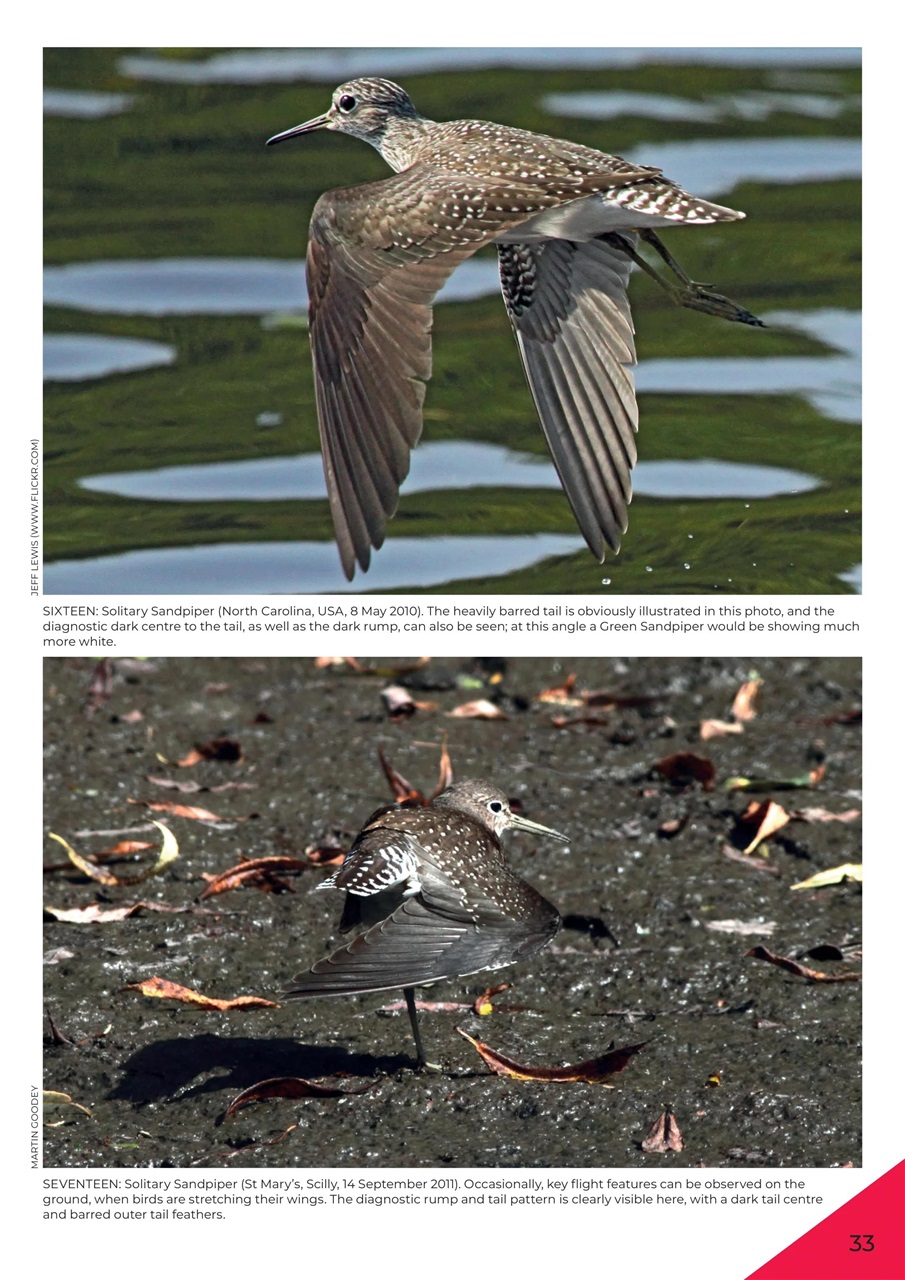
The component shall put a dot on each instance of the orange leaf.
(193, 811)
(163, 989)
(249, 870)
(401, 787)
(483, 1005)
(745, 705)
(561, 694)
(446, 770)
(768, 817)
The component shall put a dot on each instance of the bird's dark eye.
(347, 103)
(495, 806)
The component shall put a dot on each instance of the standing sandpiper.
(432, 892)
(566, 220)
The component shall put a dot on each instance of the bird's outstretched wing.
(377, 256)
(570, 313)
(418, 945)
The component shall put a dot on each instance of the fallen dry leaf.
(99, 687)
(568, 722)
(401, 788)
(665, 1135)
(800, 970)
(163, 989)
(289, 1087)
(325, 855)
(852, 716)
(685, 768)
(185, 786)
(125, 849)
(594, 1071)
(56, 1035)
(398, 702)
(717, 729)
(223, 749)
(480, 709)
(742, 927)
(191, 811)
(753, 864)
(257, 871)
(673, 826)
(745, 705)
(96, 914)
(605, 698)
(55, 1101)
(446, 770)
(360, 669)
(169, 852)
(561, 695)
(767, 817)
(811, 779)
(824, 815)
(483, 1006)
(230, 1153)
(835, 875)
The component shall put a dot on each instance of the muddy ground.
(638, 959)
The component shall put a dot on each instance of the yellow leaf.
(54, 1100)
(835, 875)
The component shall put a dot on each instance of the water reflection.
(177, 286)
(261, 287)
(713, 168)
(447, 465)
(611, 104)
(72, 357)
(260, 66)
(85, 104)
(284, 567)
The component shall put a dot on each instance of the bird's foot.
(688, 292)
(699, 298)
(430, 1067)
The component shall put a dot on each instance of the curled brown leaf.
(800, 970)
(665, 1135)
(289, 1087)
(593, 1071)
(685, 768)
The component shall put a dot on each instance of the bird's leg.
(651, 238)
(688, 293)
(424, 1065)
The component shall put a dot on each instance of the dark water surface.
(657, 926)
(176, 341)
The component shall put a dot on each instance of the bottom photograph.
(516, 913)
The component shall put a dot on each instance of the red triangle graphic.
(864, 1239)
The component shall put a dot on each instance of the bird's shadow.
(197, 1065)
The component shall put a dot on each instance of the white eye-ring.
(347, 103)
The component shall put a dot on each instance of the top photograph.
(476, 320)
